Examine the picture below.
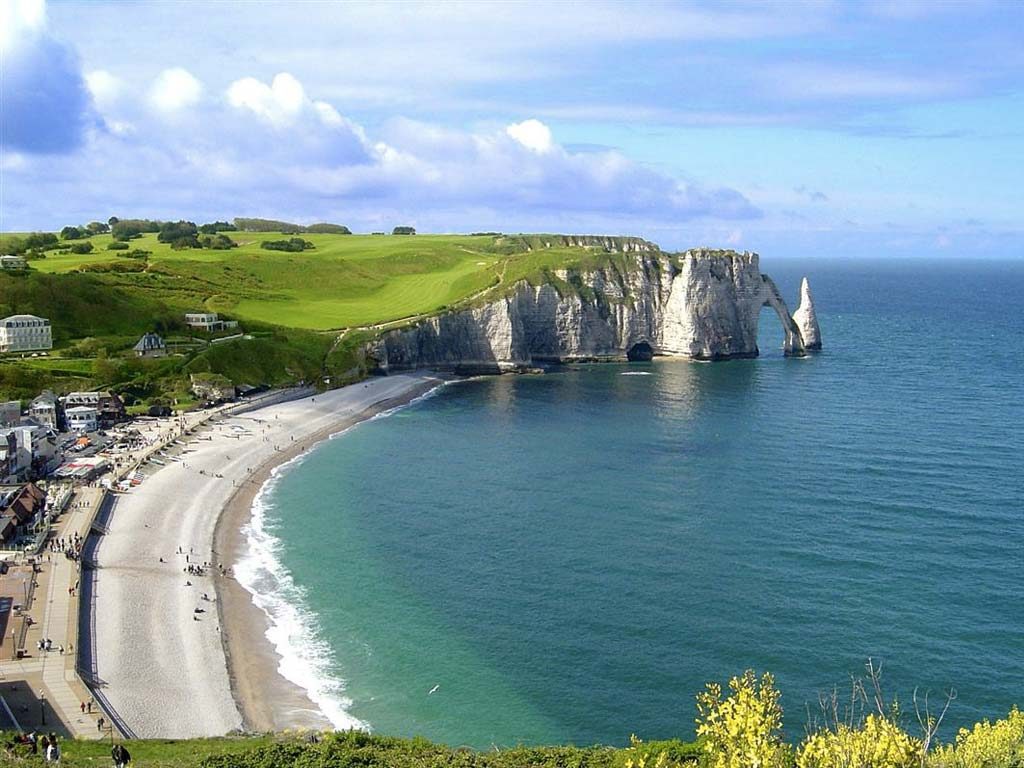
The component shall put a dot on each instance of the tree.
(328, 229)
(112, 221)
(215, 227)
(180, 234)
(403, 231)
(71, 233)
(41, 241)
(97, 227)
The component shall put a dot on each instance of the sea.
(570, 557)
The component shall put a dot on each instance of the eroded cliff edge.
(701, 304)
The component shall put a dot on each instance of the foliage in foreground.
(741, 730)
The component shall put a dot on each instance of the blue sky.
(827, 128)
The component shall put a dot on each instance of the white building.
(36, 451)
(46, 410)
(82, 418)
(208, 321)
(12, 263)
(25, 333)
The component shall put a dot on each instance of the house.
(150, 345)
(25, 333)
(47, 411)
(208, 322)
(12, 263)
(10, 413)
(82, 418)
(21, 507)
(8, 454)
(109, 408)
(36, 451)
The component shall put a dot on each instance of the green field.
(345, 281)
(291, 305)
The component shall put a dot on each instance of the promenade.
(43, 689)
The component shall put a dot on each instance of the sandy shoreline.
(268, 701)
(187, 655)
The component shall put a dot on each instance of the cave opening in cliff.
(640, 352)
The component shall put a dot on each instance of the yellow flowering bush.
(878, 743)
(742, 730)
(986, 745)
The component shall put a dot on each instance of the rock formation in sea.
(703, 304)
(806, 318)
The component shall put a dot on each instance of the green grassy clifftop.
(292, 305)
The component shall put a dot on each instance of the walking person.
(53, 750)
(120, 756)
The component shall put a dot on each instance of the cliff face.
(701, 304)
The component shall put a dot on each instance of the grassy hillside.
(346, 749)
(293, 304)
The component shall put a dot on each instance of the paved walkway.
(55, 608)
(56, 613)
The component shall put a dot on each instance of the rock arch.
(793, 345)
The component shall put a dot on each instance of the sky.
(803, 129)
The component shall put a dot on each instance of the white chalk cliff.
(806, 319)
(702, 304)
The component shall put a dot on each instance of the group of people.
(47, 744)
(46, 644)
(71, 547)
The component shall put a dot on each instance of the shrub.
(744, 729)
(117, 245)
(81, 248)
(217, 242)
(987, 745)
(878, 743)
(292, 244)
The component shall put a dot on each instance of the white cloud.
(20, 18)
(532, 134)
(104, 87)
(175, 89)
(282, 103)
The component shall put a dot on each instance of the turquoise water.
(569, 557)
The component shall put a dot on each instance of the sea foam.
(294, 630)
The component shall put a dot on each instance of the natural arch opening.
(641, 352)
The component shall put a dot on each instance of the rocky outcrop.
(806, 319)
(702, 304)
